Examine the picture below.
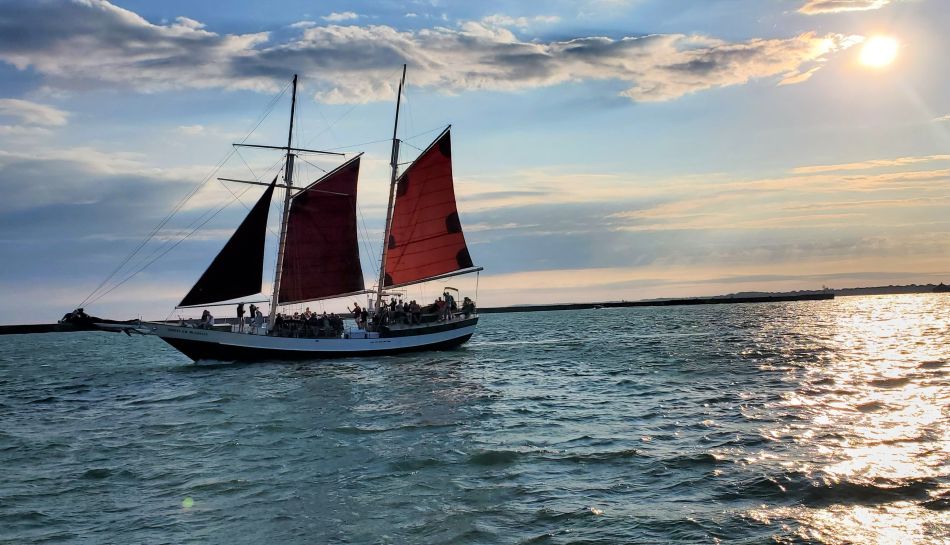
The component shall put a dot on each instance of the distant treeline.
(733, 298)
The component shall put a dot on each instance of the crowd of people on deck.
(311, 324)
(307, 324)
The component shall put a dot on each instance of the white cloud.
(519, 22)
(304, 24)
(942, 118)
(191, 130)
(32, 113)
(871, 164)
(97, 44)
(815, 7)
(338, 17)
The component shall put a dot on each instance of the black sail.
(239, 267)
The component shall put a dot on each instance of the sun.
(879, 51)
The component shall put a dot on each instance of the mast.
(288, 180)
(394, 164)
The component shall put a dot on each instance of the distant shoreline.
(734, 298)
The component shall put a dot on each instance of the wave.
(814, 492)
(940, 503)
(687, 461)
(895, 382)
(414, 464)
(494, 457)
(602, 456)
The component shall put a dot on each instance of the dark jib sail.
(238, 268)
(321, 255)
(426, 237)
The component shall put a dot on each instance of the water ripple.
(811, 422)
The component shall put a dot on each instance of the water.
(811, 422)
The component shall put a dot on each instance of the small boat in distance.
(318, 259)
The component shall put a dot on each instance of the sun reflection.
(898, 524)
(871, 424)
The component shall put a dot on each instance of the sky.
(602, 149)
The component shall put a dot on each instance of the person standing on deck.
(357, 313)
(449, 305)
(258, 320)
(240, 316)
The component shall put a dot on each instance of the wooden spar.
(310, 187)
(394, 164)
(285, 217)
(438, 277)
(288, 148)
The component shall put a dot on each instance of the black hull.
(203, 350)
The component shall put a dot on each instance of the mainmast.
(394, 164)
(288, 181)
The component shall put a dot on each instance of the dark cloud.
(94, 43)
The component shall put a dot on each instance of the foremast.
(394, 166)
(285, 216)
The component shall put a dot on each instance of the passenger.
(440, 308)
(240, 317)
(336, 324)
(357, 313)
(415, 312)
(278, 324)
(258, 320)
(207, 320)
(449, 305)
(468, 307)
(364, 315)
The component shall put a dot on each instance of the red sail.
(426, 236)
(237, 270)
(321, 256)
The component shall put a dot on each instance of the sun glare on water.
(879, 51)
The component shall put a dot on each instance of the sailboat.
(318, 259)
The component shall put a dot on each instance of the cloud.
(498, 20)
(874, 163)
(191, 130)
(338, 17)
(304, 24)
(816, 7)
(942, 118)
(799, 77)
(32, 113)
(77, 45)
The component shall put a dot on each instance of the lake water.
(807, 422)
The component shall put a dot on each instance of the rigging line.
(411, 146)
(313, 165)
(348, 112)
(147, 265)
(155, 230)
(413, 137)
(371, 247)
(249, 169)
(209, 210)
(194, 222)
(363, 144)
(255, 176)
(181, 203)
